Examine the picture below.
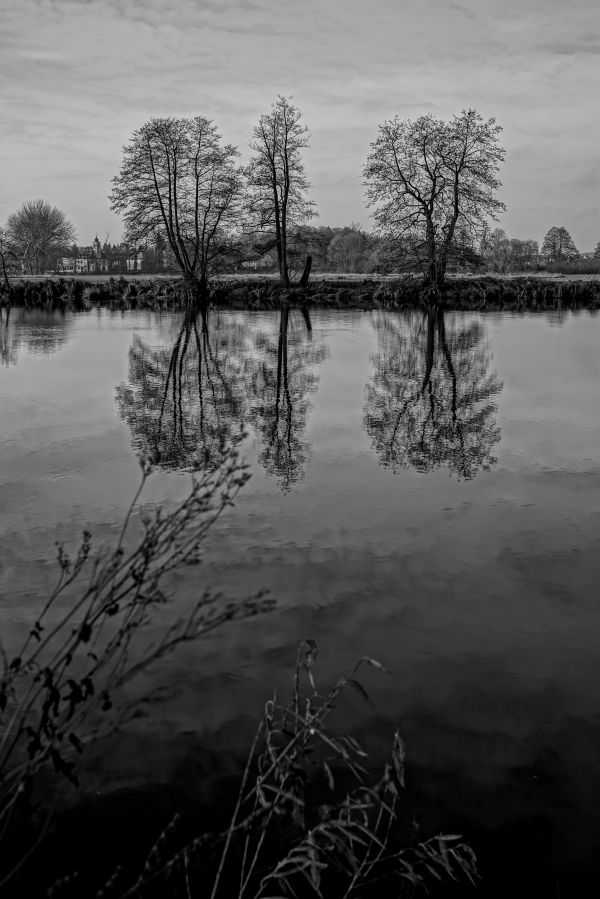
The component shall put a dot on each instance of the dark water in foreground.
(425, 493)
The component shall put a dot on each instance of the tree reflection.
(281, 376)
(430, 401)
(9, 342)
(34, 331)
(185, 405)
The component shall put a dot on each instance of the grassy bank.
(515, 293)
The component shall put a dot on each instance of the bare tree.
(495, 249)
(427, 180)
(504, 254)
(276, 177)
(177, 179)
(348, 249)
(558, 245)
(35, 232)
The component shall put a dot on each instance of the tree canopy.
(429, 181)
(558, 244)
(276, 177)
(34, 233)
(506, 254)
(179, 180)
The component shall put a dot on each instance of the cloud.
(82, 74)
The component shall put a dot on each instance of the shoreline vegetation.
(525, 293)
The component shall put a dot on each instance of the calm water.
(423, 492)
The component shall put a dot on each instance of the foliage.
(558, 245)
(276, 178)
(503, 254)
(429, 402)
(34, 233)
(91, 636)
(427, 180)
(349, 249)
(178, 180)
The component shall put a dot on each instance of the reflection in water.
(35, 331)
(187, 405)
(280, 378)
(429, 402)
(491, 638)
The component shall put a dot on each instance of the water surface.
(425, 492)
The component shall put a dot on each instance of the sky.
(78, 76)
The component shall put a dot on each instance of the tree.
(36, 232)
(178, 180)
(504, 254)
(276, 177)
(597, 251)
(429, 403)
(558, 245)
(495, 249)
(427, 179)
(348, 249)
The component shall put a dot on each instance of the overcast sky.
(77, 76)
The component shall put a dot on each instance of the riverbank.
(462, 293)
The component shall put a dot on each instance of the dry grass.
(309, 819)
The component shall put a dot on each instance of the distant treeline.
(461, 293)
(347, 250)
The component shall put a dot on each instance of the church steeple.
(97, 246)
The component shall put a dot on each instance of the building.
(109, 259)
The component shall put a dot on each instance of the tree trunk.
(278, 244)
(285, 275)
(197, 291)
(432, 293)
(306, 272)
(5, 272)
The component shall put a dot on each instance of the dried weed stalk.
(90, 637)
(283, 840)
